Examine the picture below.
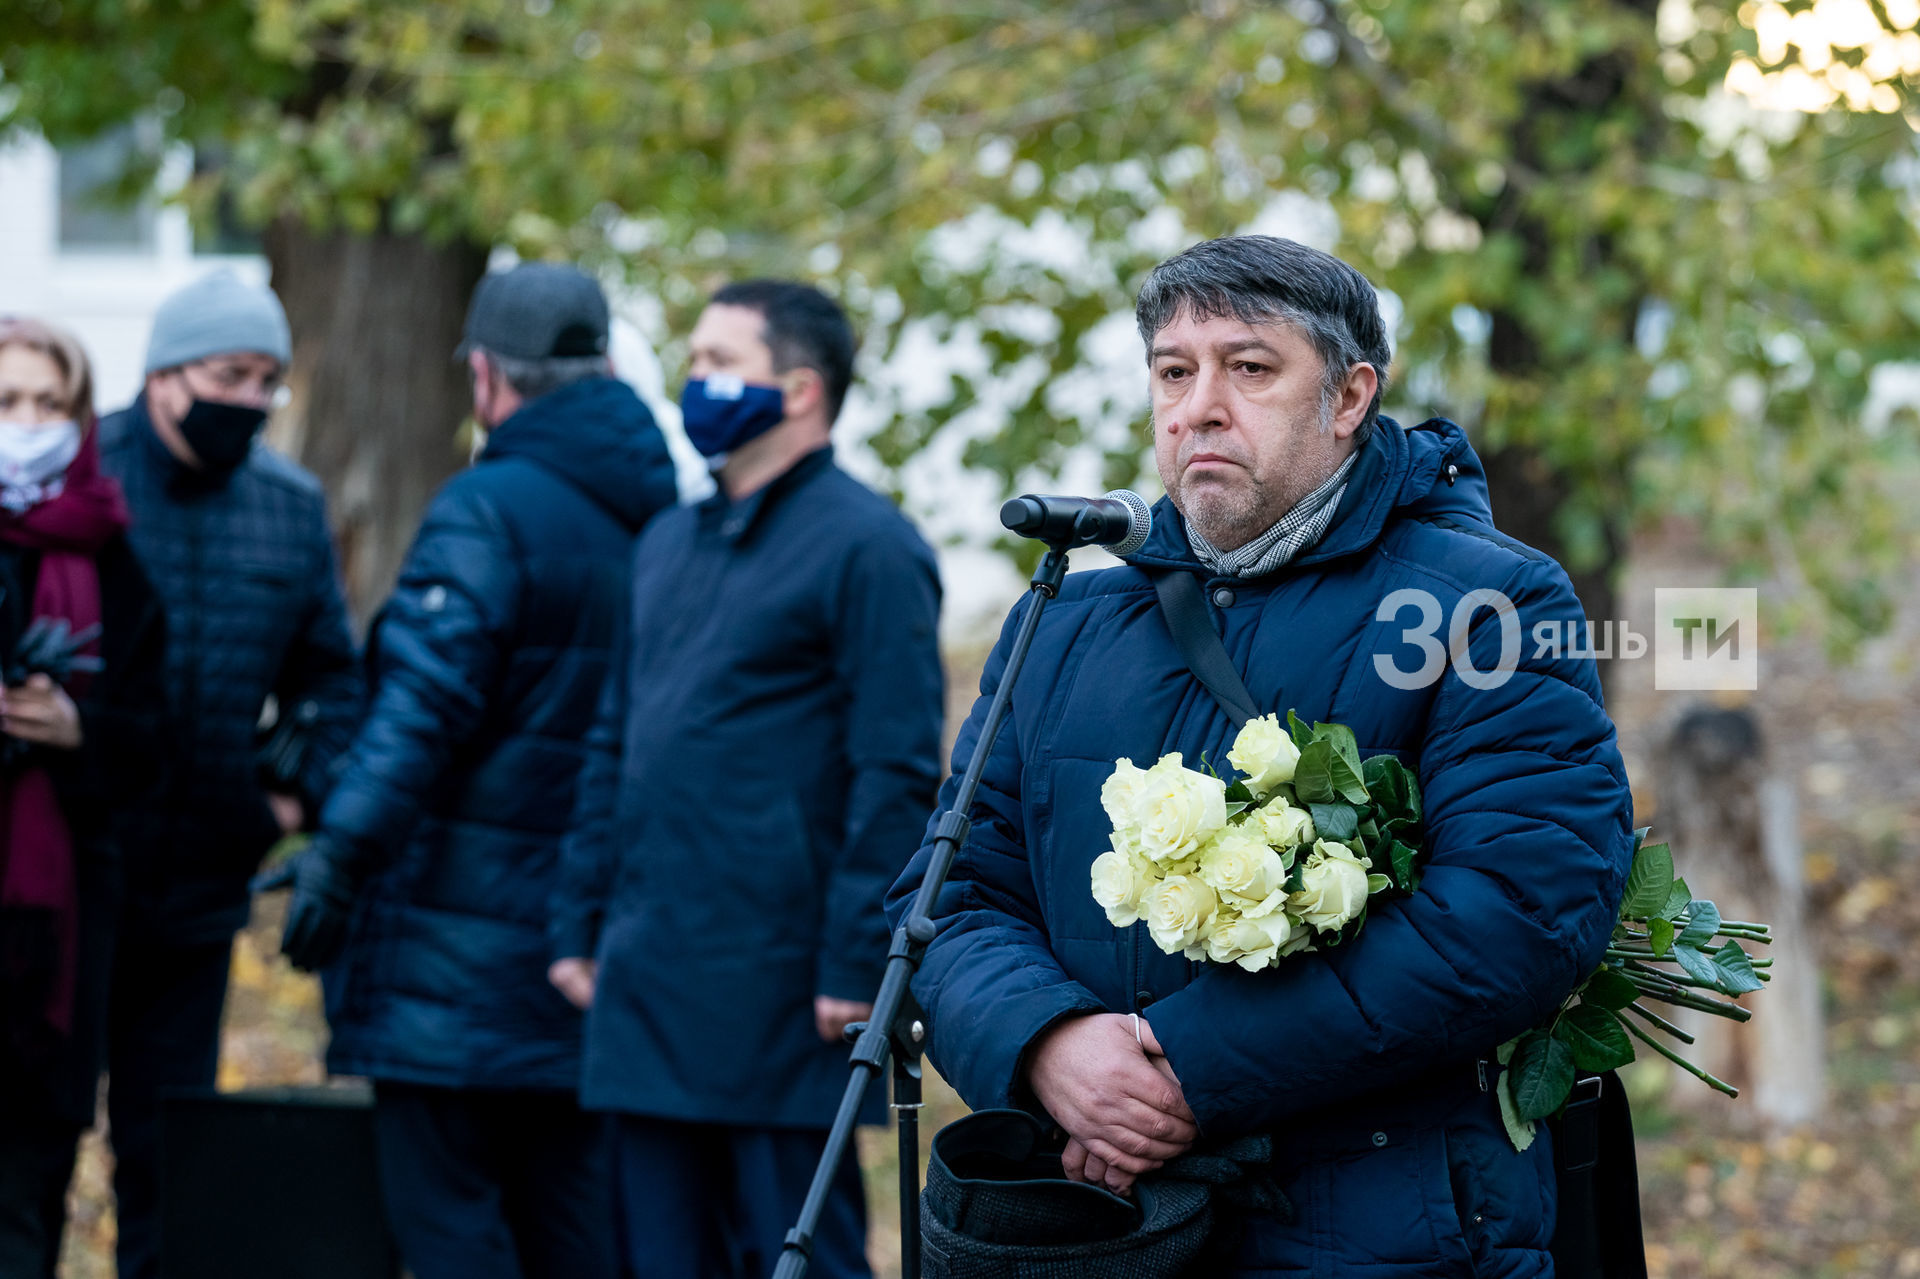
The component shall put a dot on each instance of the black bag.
(998, 1206)
(1597, 1234)
(279, 1181)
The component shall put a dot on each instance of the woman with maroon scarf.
(81, 704)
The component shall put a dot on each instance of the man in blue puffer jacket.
(1302, 512)
(440, 840)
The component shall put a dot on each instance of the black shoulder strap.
(1193, 634)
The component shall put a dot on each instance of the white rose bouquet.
(1289, 856)
(1284, 858)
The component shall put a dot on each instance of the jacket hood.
(1402, 471)
(599, 437)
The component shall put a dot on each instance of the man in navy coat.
(765, 757)
(438, 847)
(1302, 512)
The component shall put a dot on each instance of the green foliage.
(1543, 1072)
(1658, 926)
(1335, 821)
(1329, 768)
(1608, 989)
(1595, 1037)
(1593, 251)
(1649, 882)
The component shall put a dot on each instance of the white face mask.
(33, 459)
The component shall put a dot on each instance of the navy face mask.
(721, 413)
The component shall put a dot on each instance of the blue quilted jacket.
(486, 666)
(244, 566)
(1360, 1060)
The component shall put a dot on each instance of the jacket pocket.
(1505, 1197)
(1366, 1200)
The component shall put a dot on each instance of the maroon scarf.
(39, 891)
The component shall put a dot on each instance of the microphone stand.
(897, 1030)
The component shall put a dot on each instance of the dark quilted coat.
(1359, 1060)
(244, 567)
(486, 667)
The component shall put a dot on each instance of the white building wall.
(106, 297)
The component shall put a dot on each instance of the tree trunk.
(1551, 137)
(1527, 494)
(377, 398)
(1730, 815)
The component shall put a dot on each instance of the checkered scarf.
(1297, 530)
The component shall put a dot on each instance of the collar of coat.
(737, 519)
(1426, 471)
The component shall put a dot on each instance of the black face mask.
(220, 435)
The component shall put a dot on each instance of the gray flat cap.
(538, 311)
(216, 314)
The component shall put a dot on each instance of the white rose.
(1176, 810)
(1238, 861)
(1253, 943)
(1284, 825)
(1120, 879)
(1333, 886)
(1178, 909)
(1119, 795)
(1265, 752)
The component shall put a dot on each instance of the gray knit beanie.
(216, 314)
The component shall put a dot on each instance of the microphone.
(1119, 521)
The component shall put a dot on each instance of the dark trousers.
(36, 1162)
(710, 1201)
(482, 1184)
(163, 1034)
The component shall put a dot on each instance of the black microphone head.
(1023, 515)
(1139, 525)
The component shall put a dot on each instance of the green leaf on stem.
(1344, 768)
(1649, 883)
(1299, 730)
(1520, 1132)
(1392, 789)
(1696, 965)
(1596, 1037)
(1401, 857)
(1660, 935)
(1609, 988)
(1733, 963)
(1677, 901)
(1703, 921)
(1543, 1075)
(1335, 821)
(1313, 774)
(1727, 970)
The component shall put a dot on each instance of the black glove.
(322, 905)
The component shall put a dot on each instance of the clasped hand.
(39, 711)
(1117, 1097)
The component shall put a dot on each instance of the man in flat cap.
(234, 537)
(437, 852)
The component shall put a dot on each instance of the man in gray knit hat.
(234, 537)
